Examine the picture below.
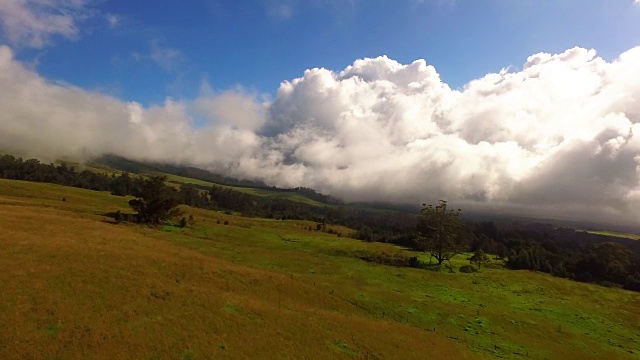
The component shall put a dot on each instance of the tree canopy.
(155, 201)
(479, 258)
(439, 232)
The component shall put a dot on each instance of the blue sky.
(149, 50)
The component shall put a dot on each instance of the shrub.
(633, 282)
(118, 217)
(414, 262)
(467, 269)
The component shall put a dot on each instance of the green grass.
(259, 288)
(179, 180)
(276, 194)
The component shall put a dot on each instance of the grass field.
(75, 286)
(178, 180)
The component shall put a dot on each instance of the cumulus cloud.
(51, 120)
(560, 135)
(559, 138)
(33, 23)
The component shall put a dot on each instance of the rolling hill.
(76, 285)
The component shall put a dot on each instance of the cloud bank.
(560, 137)
(33, 23)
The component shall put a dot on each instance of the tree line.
(371, 226)
(562, 252)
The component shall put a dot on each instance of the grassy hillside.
(77, 286)
(278, 194)
(114, 164)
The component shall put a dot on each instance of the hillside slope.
(77, 286)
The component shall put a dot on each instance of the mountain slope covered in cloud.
(559, 137)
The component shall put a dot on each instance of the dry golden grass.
(75, 286)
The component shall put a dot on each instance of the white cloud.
(113, 21)
(167, 58)
(49, 120)
(560, 135)
(233, 108)
(33, 23)
(558, 138)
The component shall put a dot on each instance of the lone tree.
(439, 232)
(156, 202)
(479, 258)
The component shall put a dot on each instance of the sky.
(527, 106)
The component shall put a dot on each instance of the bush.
(118, 217)
(467, 269)
(414, 262)
(633, 282)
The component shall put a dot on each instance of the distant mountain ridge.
(140, 167)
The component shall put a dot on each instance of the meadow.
(75, 285)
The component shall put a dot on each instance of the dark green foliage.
(122, 185)
(414, 262)
(397, 260)
(564, 252)
(193, 197)
(633, 282)
(479, 258)
(33, 170)
(440, 232)
(467, 269)
(156, 202)
(118, 217)
(521, 260)
(314, 195)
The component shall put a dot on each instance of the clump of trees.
(562, 252)
(479, 258)
(440, 232)
(156, 202)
